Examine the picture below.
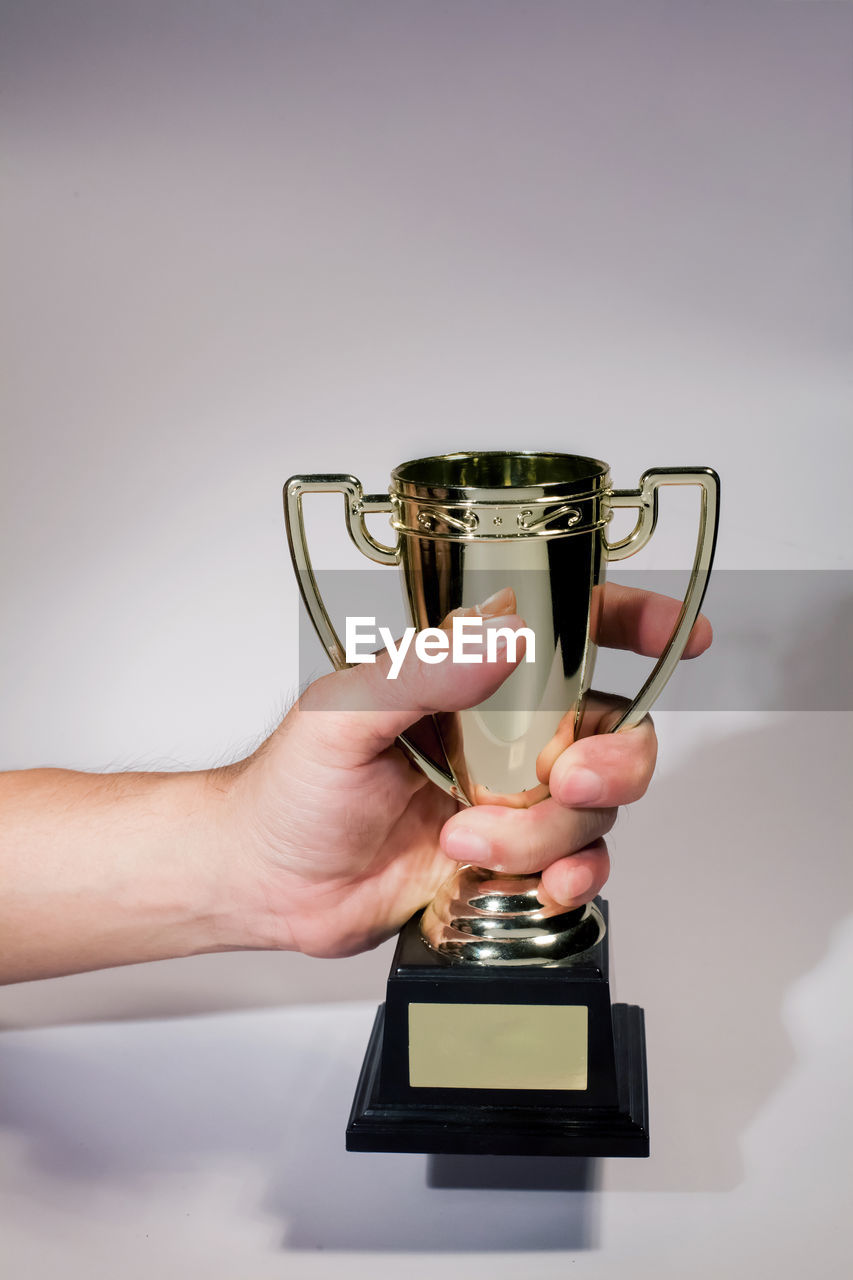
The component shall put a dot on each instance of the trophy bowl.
(470, 524)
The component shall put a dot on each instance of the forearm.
(108, 869)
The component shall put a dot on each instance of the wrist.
(245, 889)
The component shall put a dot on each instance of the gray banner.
(783, 639)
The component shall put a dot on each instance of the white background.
(247, 240)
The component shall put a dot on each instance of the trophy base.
(474, 1060)
(472, 1129)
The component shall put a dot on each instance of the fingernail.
(502, 602)
(465, 845)
(581, 786)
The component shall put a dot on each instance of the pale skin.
(325, 840)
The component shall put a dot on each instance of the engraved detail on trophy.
(479, 519)
(441, 521)
(532, 522)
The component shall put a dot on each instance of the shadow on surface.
(148, 1110)
(728, 883)
(512, 1173)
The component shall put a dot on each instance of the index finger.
(643, 621)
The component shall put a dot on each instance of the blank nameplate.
(498, 1046)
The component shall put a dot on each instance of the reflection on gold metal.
(480, 917)
(498, 1046)
(534, 522)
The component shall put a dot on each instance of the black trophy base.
(609, 1118)
(473, 1129)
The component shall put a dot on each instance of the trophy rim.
(442, 477)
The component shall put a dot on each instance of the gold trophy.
(498, 1034)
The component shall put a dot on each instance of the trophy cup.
(498, 1035)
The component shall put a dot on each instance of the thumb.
(409, 680)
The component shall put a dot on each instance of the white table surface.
(214, 1146)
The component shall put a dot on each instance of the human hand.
(341, 838)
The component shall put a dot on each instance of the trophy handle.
(646, 498)
(356, 506)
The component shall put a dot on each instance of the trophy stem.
(482, 917)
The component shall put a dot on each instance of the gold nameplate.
(497, 1046)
